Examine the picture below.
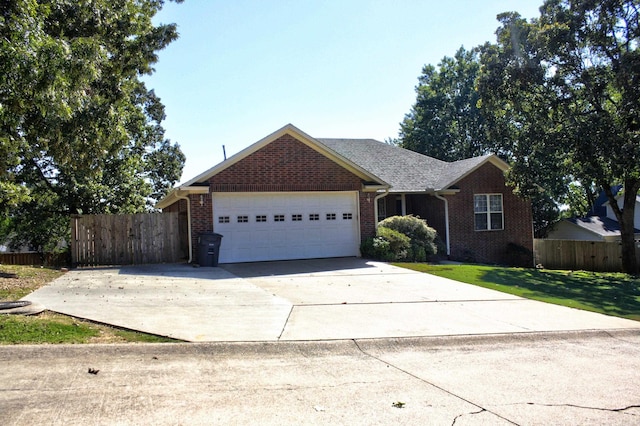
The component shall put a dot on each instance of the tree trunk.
(625, 218)
(629, 262)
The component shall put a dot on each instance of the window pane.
(496, 220)
(481, 221)
(496, 202)
(479, 203)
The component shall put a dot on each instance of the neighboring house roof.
(599, 225)
(404, 170)
(618, 196)
(599, 208)
(602, 226)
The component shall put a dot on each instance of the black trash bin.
(209, 248)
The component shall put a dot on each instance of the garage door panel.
(278, 226)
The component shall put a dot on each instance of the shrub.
(398, 243)
(422, 236)
(377, 248)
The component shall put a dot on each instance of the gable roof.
(599, 225)
(379, 165)
(404, 170)
(298, 134)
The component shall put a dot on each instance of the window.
(261, 218)
(223, 219)
(296, 217)
(243, 219)
(331, 216)
(278, 218)
(347, 216)
(488, 212)
(314, 216)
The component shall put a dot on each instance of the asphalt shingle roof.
(404, 170)
(599, 225)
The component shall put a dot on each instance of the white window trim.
(488, 212)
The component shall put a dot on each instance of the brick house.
(292, 196)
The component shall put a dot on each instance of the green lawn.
(607, 293)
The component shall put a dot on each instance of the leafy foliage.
(562, 96)
(377, 248)
(398, 243)
(421, 236)
(79, 131)
(445, 122)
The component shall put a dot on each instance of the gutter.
(446, 220)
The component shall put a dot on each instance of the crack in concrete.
(389, 364)
(466, 414)
(584, 407)
(614, 337)
(284, 326)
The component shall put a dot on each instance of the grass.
(49, 327)
(614, 294)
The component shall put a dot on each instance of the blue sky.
(242, 69)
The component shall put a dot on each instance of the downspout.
(186, 198)
(446, 220)
(375, 205)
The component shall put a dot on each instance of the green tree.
(563, 96)
(79, 130)
(445, 122)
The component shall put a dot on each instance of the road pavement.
(586, 378)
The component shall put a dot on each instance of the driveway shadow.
(292, 267)
(175, 270)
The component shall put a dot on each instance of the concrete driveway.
(326, 299)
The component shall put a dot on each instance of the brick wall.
(367, 216)
(489, 246)
(285, 164)
(201, 218)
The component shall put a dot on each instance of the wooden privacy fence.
(579, 255)
(125, 239)
(47, 259)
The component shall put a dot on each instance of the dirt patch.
(17, 281)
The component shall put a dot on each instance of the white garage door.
(280, 226)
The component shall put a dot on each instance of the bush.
(398, 243)
(421, 236)
(377, 248)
